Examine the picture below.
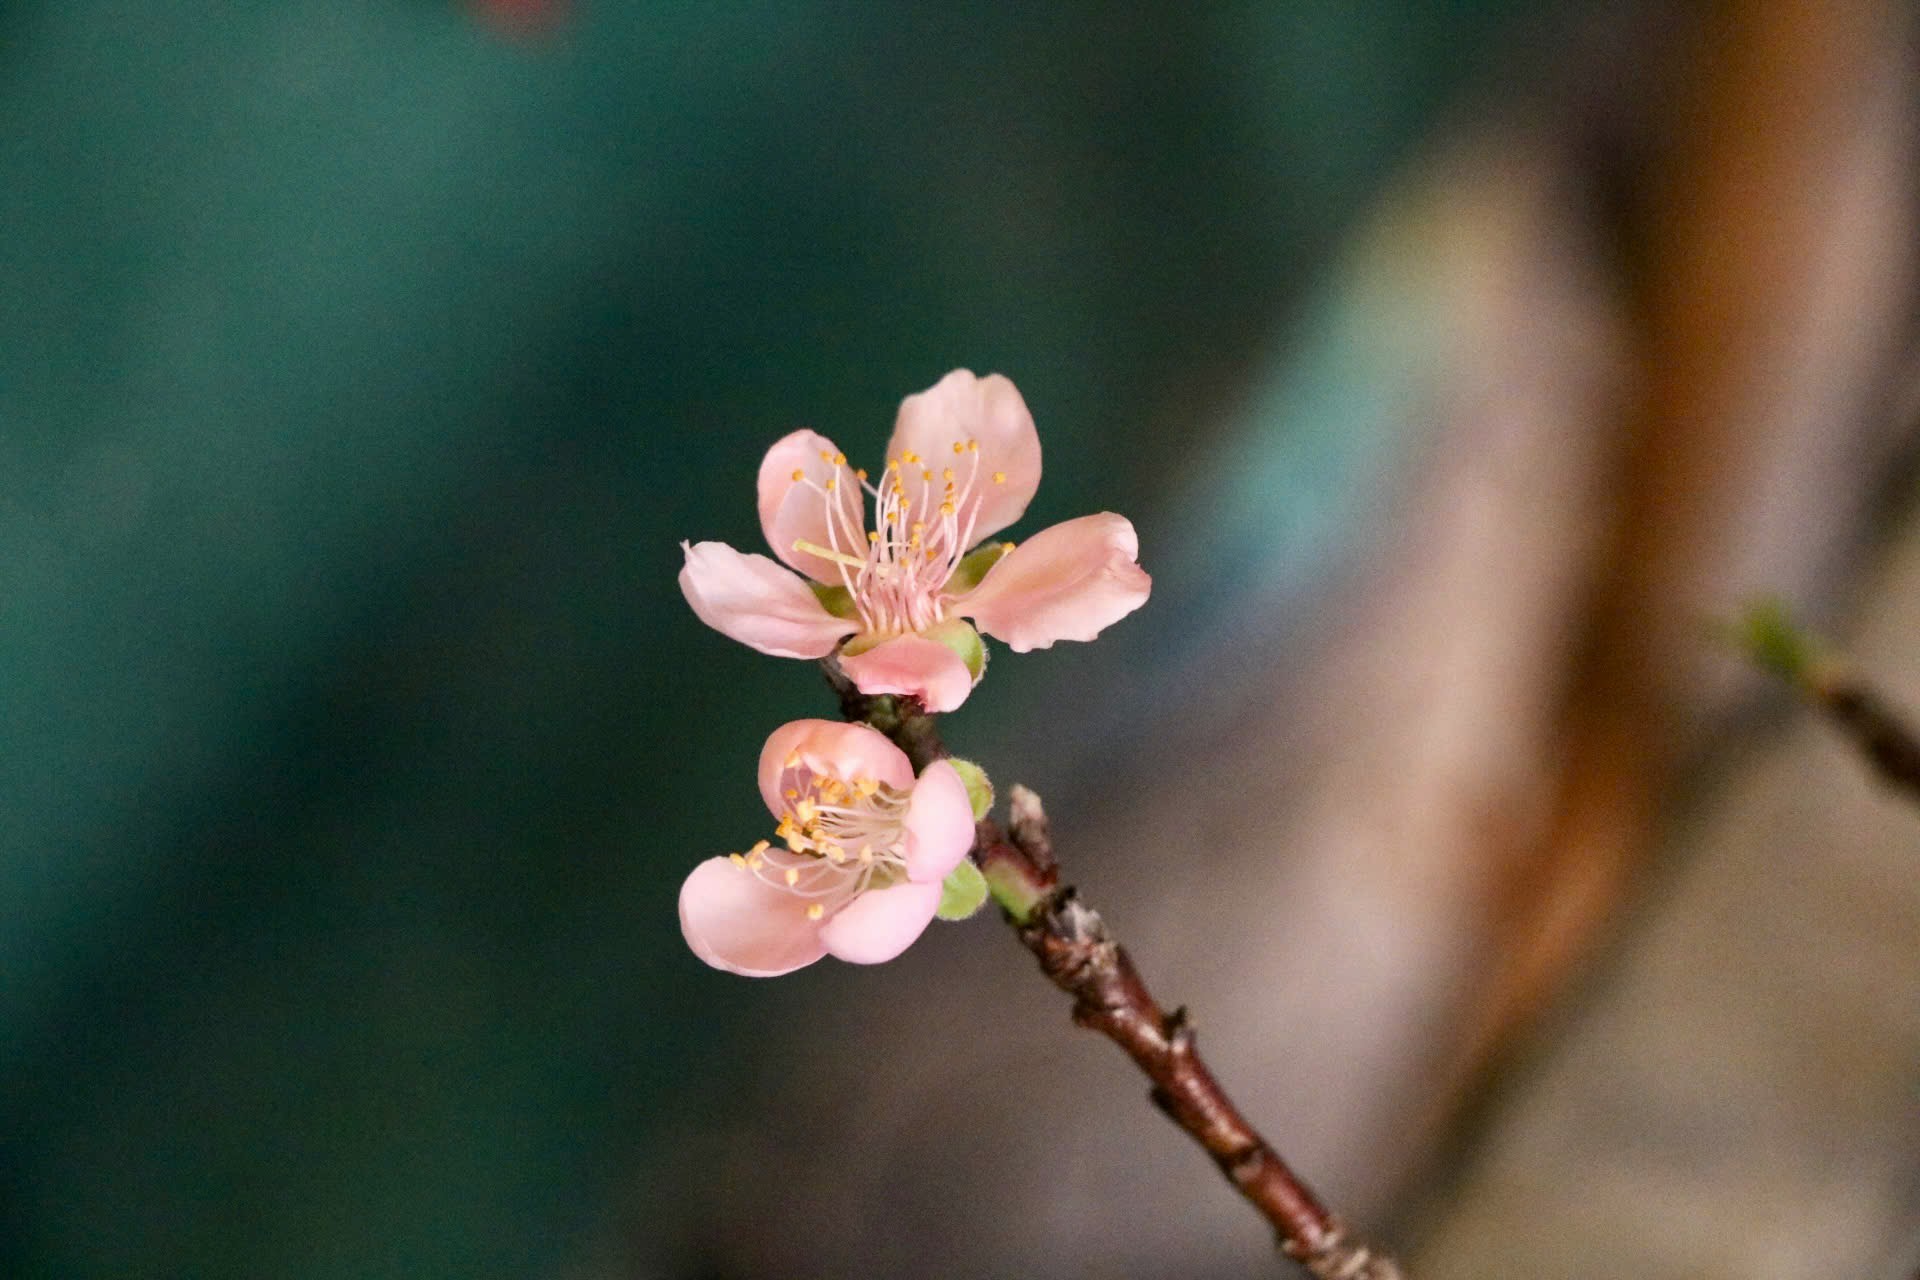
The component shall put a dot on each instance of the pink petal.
(756, 602)
(938, 825)
(914, 667)
(791, 510)
(735, 921)
(961, 407)
(881, 923)
(1064, 583)
(834, 749)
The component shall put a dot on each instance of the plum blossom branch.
(1080, 956)
(1852, 705)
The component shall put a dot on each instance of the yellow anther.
(946, 508)
(947, 475)
(792, 793)
(909, 457)
(806, 811)
(755, 863)
(873, 535)
(861, 474)
(798, 474)
(792, 876)
(973, 446)
(893, 464)
(833, 483)
(999, 477)
(866, 786)
(836, 854)
(759, 846)
(926, 477)
(959, 446)
(737, 860)
(1005, 547)
(839, 459)
(826, 455)
(792, 761)
(815, 911)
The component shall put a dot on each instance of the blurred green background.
(361, 366)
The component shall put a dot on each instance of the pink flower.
(963, 463)
(867, 847)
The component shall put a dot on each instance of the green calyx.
(1767, 635)
(979, 790)
(955, 633)
(962, 893)
(958, 635)
(837, 601)
(974, 566)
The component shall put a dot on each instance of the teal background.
(361, 366)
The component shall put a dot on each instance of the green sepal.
(962, 893)
(958, 635)
(979, 790)
(974, 565)
(837, 601)
(1771, 641)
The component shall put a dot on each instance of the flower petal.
(735, 921)
(830, 747)
(796, 511)
(959, 408)
(912, 666)
(1064, 583)
(881, 923)
(938, 825)
(756, 602)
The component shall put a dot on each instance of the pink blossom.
(963, 463)
(867, 846)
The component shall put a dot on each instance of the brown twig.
(1772, 641)
(1860, 713)
(1079, 956)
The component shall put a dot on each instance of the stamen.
(798, 474)
(737, 860)
(793, 876)
(999, 477)
(815, 911)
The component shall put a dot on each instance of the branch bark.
(1866, 719)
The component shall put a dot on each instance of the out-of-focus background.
(361, 368)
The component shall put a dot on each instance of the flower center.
(842, 838)
(923, 525)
